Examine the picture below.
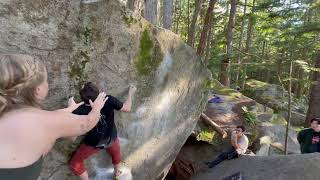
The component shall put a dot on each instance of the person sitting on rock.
(104, 134)
(239, 143)
(309, 139)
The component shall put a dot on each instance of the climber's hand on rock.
(132, 89)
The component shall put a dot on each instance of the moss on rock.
(218, 88)
(150, 54)
(129, 20)
(77, 67)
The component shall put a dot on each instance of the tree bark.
(289, 106)
(178, 15)
(250, 28)
(188, 14)
(151, 11)
(300, 78)
(167, 14)
(240, 41)
(314, 100)
(249, 39)
(225, 65)
(206, 27)
(192, 29)
(207, 120)
(209, 42)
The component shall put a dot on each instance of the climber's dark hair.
(89, 91)
(242, 128)
(315, 119)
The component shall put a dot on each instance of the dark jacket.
(309, 141)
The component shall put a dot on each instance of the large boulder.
(272, 140)
(275, 97)
(266, 132)
(292, 167)
(101, 41)
(228, 112)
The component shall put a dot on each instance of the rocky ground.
(267, 136)
(292, 167)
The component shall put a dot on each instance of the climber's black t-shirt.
(105, 132)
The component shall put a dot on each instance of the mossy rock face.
(218, 88)
(129, 20)
(81, 58)
(254, 84)
(273, 96)
(78, 66)
(279, 119)
(150, 54)
(147, 61)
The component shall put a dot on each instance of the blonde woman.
(27, 132)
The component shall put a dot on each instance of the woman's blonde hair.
(20, 74)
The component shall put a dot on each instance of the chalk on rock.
(107, 174)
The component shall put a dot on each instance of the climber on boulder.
(104, 134)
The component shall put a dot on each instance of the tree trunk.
(295, 76)
(314, 100)
(206, 27)
(178, 9)
(192, 29)
(188, 14)
(300, 78)
(224, 71)
(209, 42)
(250, 29)
(240, 41)
(249, 39)
(151, 11)
(289, 106)
(301, 75)
(167, 13)
(215, 126)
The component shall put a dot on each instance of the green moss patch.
(222, 90)
(129, 20)
(78, 65)
(256, 84)
(278, 119)
(206, 135)
(150, 55)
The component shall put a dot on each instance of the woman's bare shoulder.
(33, 114)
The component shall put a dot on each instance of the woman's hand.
(72, 105)
(98, 104)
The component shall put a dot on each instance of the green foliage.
(206, 135)
(283, 31)
(249, 116)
